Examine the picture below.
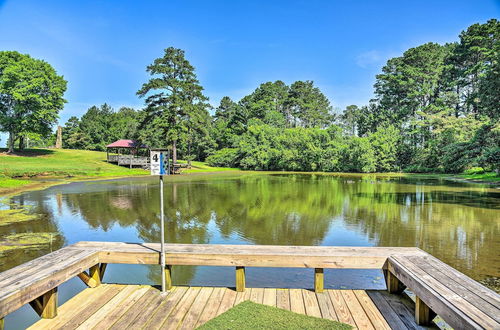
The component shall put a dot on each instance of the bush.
(226, 157)
(474, 170)
(416, 168)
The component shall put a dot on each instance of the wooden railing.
(460, 301)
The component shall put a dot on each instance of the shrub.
(226, 157)
(474, 170)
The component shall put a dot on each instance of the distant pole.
(162, 233)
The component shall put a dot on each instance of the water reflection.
(457, 223)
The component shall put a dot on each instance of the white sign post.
(159, 166)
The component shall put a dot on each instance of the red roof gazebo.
(118, 147)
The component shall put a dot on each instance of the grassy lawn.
(18, 171)
(249, 315)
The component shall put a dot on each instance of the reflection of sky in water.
(457, 223)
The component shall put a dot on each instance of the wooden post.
(168, 277)
(2, 323)
(95, 274)
(91, 283)
(394, 285)
(423, 314)
(240, 278)
(102, 270)
(46, 305)
(318, 280)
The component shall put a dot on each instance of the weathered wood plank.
(326, 306)
(227, 301)
(213, 303)
(175, 318)
(242, 296)
(140, 306)
(105, 310)
(474, 294)
(386, 310)
(248, 255)
(406, 315)
(149, 310)
(283, 299)
(193, 315)
(371, 310)
(341, 309)
(164, 310)
(357, 312)
(269, 297)
(90, 308)
(311, 304)
(28, 289)
(257, 295)
(455, 310)
(122, 308)
(297, 301)
(71, 308)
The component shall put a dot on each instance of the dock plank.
(341, 309)
(378, 321)
(180, 310)
(358, 314)
(269, 297)
(193, 315)
(297, 301)
(137, 308)
(311, 304)
(326, 306)
(227, 301)
(166, 307)
(212, 305)
(283, 299)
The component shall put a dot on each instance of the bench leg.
(240, 279)
(168, 277)
(95, 274)
(46, 305)
(393, 284)
(423, 314)
(318, 280)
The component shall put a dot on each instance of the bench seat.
(459, 300)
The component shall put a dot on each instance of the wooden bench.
(36, 282)
(440, 289)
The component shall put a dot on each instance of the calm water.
(458, 223)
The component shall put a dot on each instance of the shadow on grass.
(27, 152)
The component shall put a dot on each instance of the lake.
(458, 223)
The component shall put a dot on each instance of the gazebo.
(126, 152)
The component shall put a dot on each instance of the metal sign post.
(160, 166)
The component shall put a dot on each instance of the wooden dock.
(113, 306)
(439, 289)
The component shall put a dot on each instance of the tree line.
(435, 109)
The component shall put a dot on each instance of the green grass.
(19, 171)
(197, 167)
(487, 177)
(249, 315)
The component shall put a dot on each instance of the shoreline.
(40, 184)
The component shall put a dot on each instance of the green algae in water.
(14, 216)
(26, 241)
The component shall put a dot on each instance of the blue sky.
(102, 47)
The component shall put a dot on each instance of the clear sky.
(102, 47)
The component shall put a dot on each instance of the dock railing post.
(240, 278)
(319, 280)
